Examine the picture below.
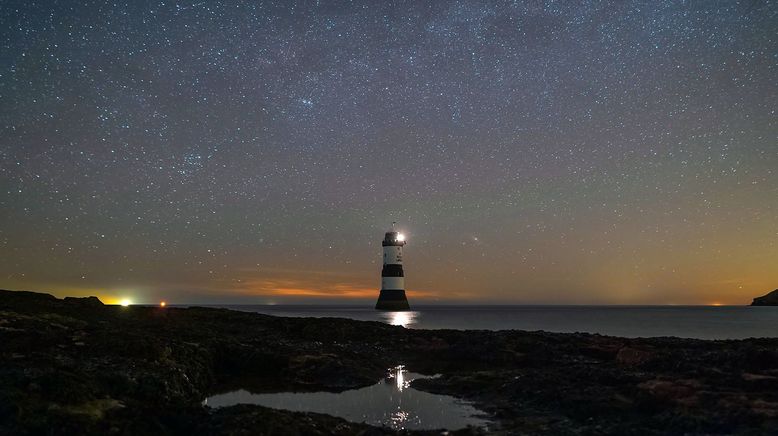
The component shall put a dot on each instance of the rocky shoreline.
(76, 366)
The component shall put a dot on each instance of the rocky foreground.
(75, 366)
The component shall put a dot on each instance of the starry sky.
(593, 152)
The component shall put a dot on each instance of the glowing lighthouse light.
(392, 296)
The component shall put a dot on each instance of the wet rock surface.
(75, 366)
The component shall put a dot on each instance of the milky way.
(579, 152)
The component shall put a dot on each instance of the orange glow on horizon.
(313, 284)
(335, 292)
(732, 286)
(302, 292)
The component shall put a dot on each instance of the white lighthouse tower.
(392, 296)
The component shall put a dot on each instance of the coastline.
(78, 366)
(695, 322)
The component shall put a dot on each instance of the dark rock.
(84, 301)
(771, 299)
(633, 356)
(675, 390)
(21, 298)
(76, 366)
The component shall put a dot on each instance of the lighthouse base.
(392, 299)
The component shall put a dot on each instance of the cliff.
(771, 299)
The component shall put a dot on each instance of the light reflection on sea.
(405, 319)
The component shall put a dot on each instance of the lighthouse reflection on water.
(392, 402)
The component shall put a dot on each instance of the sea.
(700, 322)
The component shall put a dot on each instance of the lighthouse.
(392, 296)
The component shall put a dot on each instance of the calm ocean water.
(702, 322)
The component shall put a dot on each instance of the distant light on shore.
(125, 302)
(162, 304)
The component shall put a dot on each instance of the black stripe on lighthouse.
(392, 299)
(392, 270)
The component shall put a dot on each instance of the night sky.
(533, 152)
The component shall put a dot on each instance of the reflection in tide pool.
(405, 319)
(391, 402)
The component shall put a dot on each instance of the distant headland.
(771, 299)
